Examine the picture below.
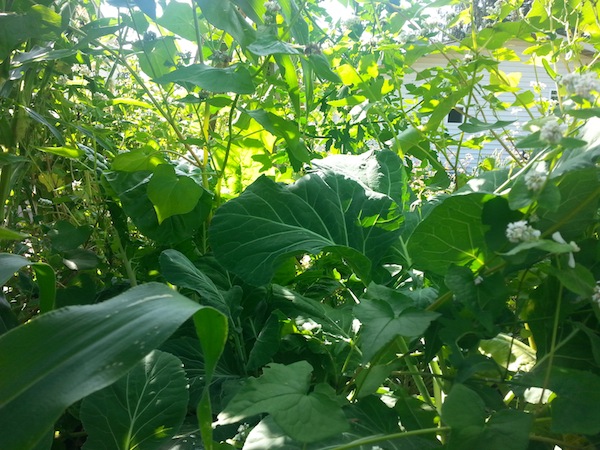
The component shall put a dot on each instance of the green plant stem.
(382, 438)
(418, 379)
(123, 254)
(553, 339)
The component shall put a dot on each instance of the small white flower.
(478, 280)
(552, 131)
(574, 247)
(536, 178)
(520, 231)
(596, 294)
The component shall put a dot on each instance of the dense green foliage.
(246, 224)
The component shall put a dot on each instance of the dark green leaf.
(282, 392)
(85, 348)
(385, 314)
(235, 79)
(131, 188)
(144, 408)
(476, 126)
(451, 234)
(319, 212)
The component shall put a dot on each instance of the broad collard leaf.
(282, 392)
(85, 348)
(179, 270)
(386, 314)
(143, 409)
(452, 233)
(252, 234)
(381, 171)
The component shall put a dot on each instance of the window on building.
(554, 95)
(456, 115)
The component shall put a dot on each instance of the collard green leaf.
(180, 271)
(386, 314)
(282, 392)
(143, 409)
(381, 171)
(235, 79)
(452, 233)
(252, 234)
(131, 188)
(170, 194)
(85, 348)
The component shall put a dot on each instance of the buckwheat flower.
(552, 131)
(352, 22)
(535, 179)
(272, 7)
(581, 84)
(521, 231)
(574, 247)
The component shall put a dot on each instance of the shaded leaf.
(86, 348)
(282, 392)
(144, 408)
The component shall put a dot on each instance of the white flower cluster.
(352, 22)
(596, 294)
(552, 131)
(535, 179)
(582, 84)
(272, 7)
(521, 231)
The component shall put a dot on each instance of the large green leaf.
(38, 22)
(252, 234)
(131, 188)
(235, 79)
(225, 16)
(177, 17)
(74, 351)
(578, 207)
(381, 171)
(180, 271)
(143, 409)
(282, 392)
(385, 314)
(576, 407)
(172, 195)
(464, 411)
(452, 233)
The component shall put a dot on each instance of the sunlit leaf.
(235, 79)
